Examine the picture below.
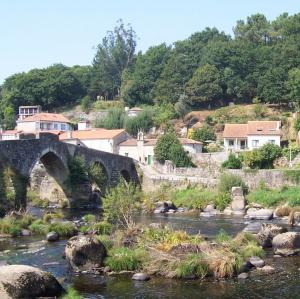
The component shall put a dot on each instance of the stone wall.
(209, 177)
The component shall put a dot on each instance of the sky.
(38, 33)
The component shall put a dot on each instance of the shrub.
(252, 249)
(263, 157)
(64, 229)
(72, 294)
(142, 122)
(222, 200)
(204, 134)
(98, 175)
(8, 225)
(50, 216)
(168, 147)
(223, 236)
(120, 203)
(115, 119)
(89, 218)
(194, 265)
(102, 228)
(123, 258)
(106, 241)
(39, 227)
(232, 162)
(78, 172)
(227, 181)
(163, 114)
(297, 124)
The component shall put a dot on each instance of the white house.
(25, 111)
(9, 134)
(252, 135)
(44, 122)
(142, 149)
(98, 139)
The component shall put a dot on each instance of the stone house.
(252, 135)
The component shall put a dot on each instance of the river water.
(285, 283)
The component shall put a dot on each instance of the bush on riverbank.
(13, 224)
(273, 197)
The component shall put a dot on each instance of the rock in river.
(256, 261)
(20, 281)
(141, 276)
(267, 232)
(52, 237)
(286, 243)
(85, 253)
(259, 214)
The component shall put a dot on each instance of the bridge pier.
(20, 183)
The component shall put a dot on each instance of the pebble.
(257, 261)
(243, 275)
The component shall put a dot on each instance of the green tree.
(232, 162)
(115, 119)
(204, 134)
(168, 147)
(293, 85)
(9, 118)
(142, 122)
(205, 85)
(114, 54)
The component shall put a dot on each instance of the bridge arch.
(125, 175)
(54, 172)
(98, 174)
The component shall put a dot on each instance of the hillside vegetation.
(260, 63)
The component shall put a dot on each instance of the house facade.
(98, 139)
(44, 122)
(142, 149)
(252, 135)
(26, 111)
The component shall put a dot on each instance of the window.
(272, 141)
(63, 126)
(231, 142)
(255, 143)
(126, 154)
(55, 126)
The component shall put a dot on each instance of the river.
(49, 256)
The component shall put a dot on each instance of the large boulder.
(20, 281)
(286, 243)
(85, 253)
(259, 214)
(267, 232)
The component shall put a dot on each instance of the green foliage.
(222, 200)
(124, 258)
(89, 218)
(72, 294)
(163, 114)
(193, 266)
(78, 172)
(205, 85)
(120, 203)
(223, 236)
(291, 151)
(106, 105)
(274, 197)
(293, 85)
(85, 104)
(39, 227)
(114, 54)
(115, 119)
(297, 124)
(263, 157)
(193, 197)
(9, 118)
(204, 134)
(98, 175)
(142, 122)
(168, 147)
(233, 162)
(227, 181)
(292, 175)
(102, 228)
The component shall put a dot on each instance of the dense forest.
(260, 62)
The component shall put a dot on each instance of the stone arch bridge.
(22, 155)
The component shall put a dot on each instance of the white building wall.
(105, 145)
(262, 139)
(129, 151)
(117, 140)
(193, 148)
(27, 126)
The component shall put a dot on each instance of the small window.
(126, 154)
(63, 126)
(231, 142)
(55, 127)
(272, 141)
(255, 143)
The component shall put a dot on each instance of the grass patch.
(273, 197)
(123, 258)
(72, 294)
(227, 181)
(89, 218)
(194, 266)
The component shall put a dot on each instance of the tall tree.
(114, 54)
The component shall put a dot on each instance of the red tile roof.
(53, 117)
(252, 128)
(91, 134)
(152, 142)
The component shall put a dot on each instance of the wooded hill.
(260, 62)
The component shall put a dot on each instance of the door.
(149, 159)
